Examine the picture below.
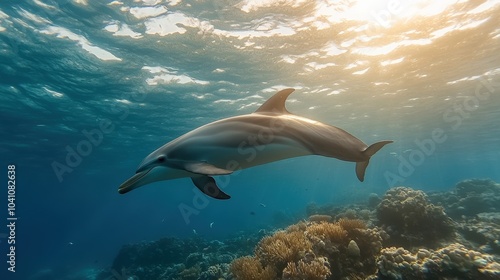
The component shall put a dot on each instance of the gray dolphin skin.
(269, 134)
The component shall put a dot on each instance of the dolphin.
(269, 134)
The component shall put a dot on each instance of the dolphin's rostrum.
(269, 134)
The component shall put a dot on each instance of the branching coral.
(305, 250)
(282, 247)
(318, 250)
(250, 268)
(316, 269)
(351, 224)
(327, 232)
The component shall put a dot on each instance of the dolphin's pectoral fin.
(208, 186)
(205, 169)
(360, 170)
(370, 151)
(276, 104)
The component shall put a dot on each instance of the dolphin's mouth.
(133, 181)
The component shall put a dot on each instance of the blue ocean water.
(90, 88)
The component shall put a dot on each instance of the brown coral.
(282, 247)
(250, 268)
(316, 269)
(321, 250)
(351, 224)
(328, 231)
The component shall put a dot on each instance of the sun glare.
(383, 12)
(368, 10)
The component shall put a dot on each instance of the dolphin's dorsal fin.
(276, 104)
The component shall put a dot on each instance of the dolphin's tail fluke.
(370, 151)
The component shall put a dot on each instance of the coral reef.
(250, 268)
(321, 213)
(351, 224)
(469, 198)
(411, 220)
(321, 250)
(453, 261)
(310, 268)
(399, 236)
(353, 249)
(282, 247)
(320, 218)
(181, 259)
(475, 206)
(215, 272)
(482, 231)
(373, 200)
(327, 232)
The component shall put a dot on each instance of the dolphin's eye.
(161, 159)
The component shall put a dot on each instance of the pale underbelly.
(245, 157)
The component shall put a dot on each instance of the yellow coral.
(282, 247)
(250, 268)
(314, 270)
(328, 231)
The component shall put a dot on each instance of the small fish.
(194, 231)
(211, 224)
(263, 205)
(407, 151)
(70, 243)
(393, 154)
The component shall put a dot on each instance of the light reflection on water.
(387, 69)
